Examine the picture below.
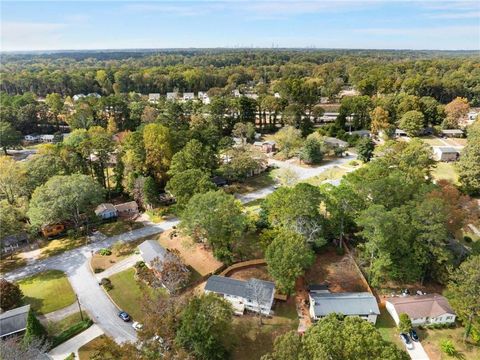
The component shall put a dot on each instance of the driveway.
(72, 345)
(418, 352)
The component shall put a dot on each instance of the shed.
(14, 321)
(106, 211)
(444, 153)
(12, 242)
(452, 133)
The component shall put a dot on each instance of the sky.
(358, 24)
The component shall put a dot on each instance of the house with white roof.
(254, 294)
(363, 304)
(188, 96)
(153, 98)
(203, 97)
(236, 93)
(421, 309)
(172, 96)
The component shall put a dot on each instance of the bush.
(98, 270)
(71, 332)
(106, 283)
(140, 264)
(448, 347)
(467, 239)
(105, 252)
(70, 357)
(405, 324)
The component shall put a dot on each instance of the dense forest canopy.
(443, 75)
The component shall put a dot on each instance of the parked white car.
(137, 326)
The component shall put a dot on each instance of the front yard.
(334, 173)
(11, 262)
(57, 246)
(252, 183)
(118, 227)
(47, 291)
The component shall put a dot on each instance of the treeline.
(443, 76)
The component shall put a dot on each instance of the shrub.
(10, 295)
(105, 252)
(71, 332)
(140, 264)
(448, 347)
(106, 283)
(467, 239)
(405, 324)
(98, 270)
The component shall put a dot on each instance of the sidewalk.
(60, 314)
(72, 345)
(119, 266)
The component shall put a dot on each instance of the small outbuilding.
(12, 242)
(446, 154)
(14, 322)
(455, 133)
(128, 209)
(106, 211)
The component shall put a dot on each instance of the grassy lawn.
(58, 246)
(10, 263)
(252, 183)
(55, 328)
(253, 206)
(387, 328)
(86, 351)
(47, 291)
(445, 171)
(432, 141)
(118, 227)
(258, 339)
(128, 293)
(334, 173)
(431, 339)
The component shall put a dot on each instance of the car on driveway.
(406, 340)
(413, 334)
(124, 316)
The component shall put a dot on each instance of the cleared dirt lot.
(338, 271)
(258, 272)
(196, 255)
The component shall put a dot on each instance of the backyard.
(253, 340)
(445, 171)
(338, 271)
(47, 291)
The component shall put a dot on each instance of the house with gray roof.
(254, 294)
(361, 304)
(14, 321)
(446, 153)
(334, 142)
(151, 250)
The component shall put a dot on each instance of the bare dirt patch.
(338, 271)
(257, 272)
(199, 257)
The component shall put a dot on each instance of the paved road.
(72, 345)
(302, 174)
(418, 352)
(75, 263)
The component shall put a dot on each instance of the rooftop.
(362, 303)
(150, 250)
(14, 320)
(418, 306)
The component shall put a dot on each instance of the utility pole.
(79, 307)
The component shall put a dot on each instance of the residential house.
(154, 256)
(78, 97)
(203, 97)
(318, 288)
(361, 133)
(452, 133)
(254, 295)
(236, 93)
(472, 115)
(265, 146)
(128, 209)
(188, 96)
(329, 117)
(335, 143)
(95, 95)
(172, 96)
(277, 95)
(219, 181)
(422, 309)
(14, 322)
(153, 98)
(400, 133)
(32, 138)
(361, 304)
(444, 153)
(106, 211)
(12, 242)
(252, 96)
(47, 138)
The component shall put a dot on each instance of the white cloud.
(17, 35)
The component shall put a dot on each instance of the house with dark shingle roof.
(13, 321)
(422, 309)
(254, 294)
(361, 304)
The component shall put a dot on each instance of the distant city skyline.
(374, 24)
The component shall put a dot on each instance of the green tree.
(216, 218)
(193, 156)
(286, 347)
(287, 257)
(405, 324)
(10, 219)
(55, 104)
(34, 329)
(412, 122)
(312, 151)
(10, 295)
(12, 180)
(9, 137)
(365, 149)
(158, 150)
(186, 184)
(243, 161)
(244, 131)
(468, 168)
(289, 140)
(463, 292)
(206, 327)
(64, 198)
